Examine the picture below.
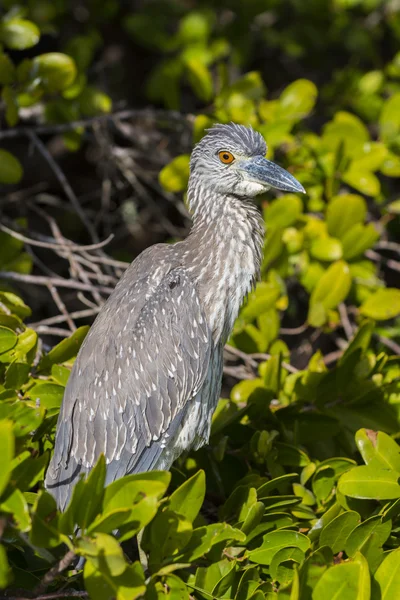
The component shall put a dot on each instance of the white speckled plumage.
(148, 375)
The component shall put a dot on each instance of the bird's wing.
(134, 374)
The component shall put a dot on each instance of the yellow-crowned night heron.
(148, 375)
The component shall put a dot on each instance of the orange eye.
(226, 157)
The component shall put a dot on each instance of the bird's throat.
(223, 254)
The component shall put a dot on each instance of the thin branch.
(344, 317)
(383, 245)
(56, 281)
(61, 306)
(332, 357)
(294, 330)
(55, 571)
(251, 359)
(119, 115)
(78, 314)
(69, 192)
(67, 593)
(389, 344)
(68, 245)
(56, 331)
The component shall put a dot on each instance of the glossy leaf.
(383, 304)
(343, 212)
(336, 532)
(188, 498)
(175, 175)
(387, 577)
(10, 168)
(330, 291)
(19, 34)
(346, 581)
(6, 452)
(276, 540)
(370, 482)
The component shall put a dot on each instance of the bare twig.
(78, 314)
(383, 245)
(56, 281)
(332, 357)
(119, 115)
(61, 306)
(56, 331)
(344, 317)
(68, 245)
(294, 330)
(251, 359)
(389, 344)
(67, 593)
(55, 571)
(69, 192)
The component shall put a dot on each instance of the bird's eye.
(226, 157)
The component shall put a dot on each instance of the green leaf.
(362, 180)
(276, 540)
(104, 552)
(102, 585)
(7, 70)
(200, 79)
(92, 495)
(65, 350)
(204, 538)
(123, 492)
(343, 212)
(275, 484)
(372, 156)
(370, 482)
(10, 168)
(358, 239)
(253, 517)
(45, 518)
(387, 578)
(383, 304)
(394, 207)
(93, 102)
(166, 535)
(330, 291)
(368, 538)
(175, 175)
(5, 571)
(389, 121)
(283, 212)
(48, 395)
(378, 449)
(16, 504)
(338, 530)
(19, 34)
(346, 581)
(55, 70)
(6, 452)
(326, 248)
(262, 299)
(188, 498)
(8, 339)
(283, 563)
(298, 99)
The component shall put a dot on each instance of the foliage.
(298, 491)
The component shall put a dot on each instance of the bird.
(148, 375)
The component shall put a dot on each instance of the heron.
(148, 375)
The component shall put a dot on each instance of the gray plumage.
(148, 375)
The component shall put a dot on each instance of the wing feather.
(131, 382)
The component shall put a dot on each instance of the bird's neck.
(223, 253)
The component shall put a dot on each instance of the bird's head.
(231, 160)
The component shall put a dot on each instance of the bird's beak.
(267, 172)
